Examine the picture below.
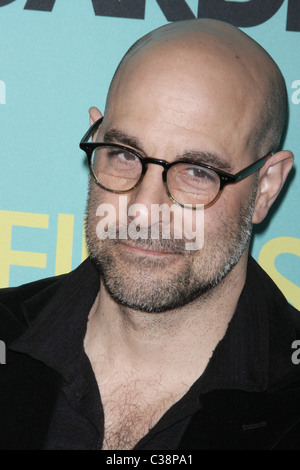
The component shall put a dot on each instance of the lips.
(153, 247)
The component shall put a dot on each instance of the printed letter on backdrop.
(241, 14)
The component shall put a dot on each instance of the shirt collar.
(57, 328)
(242, 359)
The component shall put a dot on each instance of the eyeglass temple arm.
(252, 168)
(227, 178)
(91, 130)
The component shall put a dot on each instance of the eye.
(123, 159)
(201, 173)
(122, 162)
(122, 155)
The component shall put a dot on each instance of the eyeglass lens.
(117, 169)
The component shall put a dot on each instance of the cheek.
(190, 225)
(100, 209)
(235, 200)
(235, 196)
(98, 196)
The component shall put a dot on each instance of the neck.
(175, 343)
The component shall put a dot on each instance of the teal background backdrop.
(54, 65)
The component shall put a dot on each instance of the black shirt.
(240, 361)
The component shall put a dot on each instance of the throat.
(144, 363)
(177, 344)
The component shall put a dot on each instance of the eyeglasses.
(120, 169)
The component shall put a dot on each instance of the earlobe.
(271, 179)
(95, 114)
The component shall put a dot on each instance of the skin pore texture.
(190, 86)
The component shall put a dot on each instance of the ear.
(271, 179)
(94, 115)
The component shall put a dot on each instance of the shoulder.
(12, 315)
(11, 295)
(20, 306)
(265, 288)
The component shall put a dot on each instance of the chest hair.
(131, 409)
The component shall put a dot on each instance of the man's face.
(173, 107)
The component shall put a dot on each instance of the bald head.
(240, 70)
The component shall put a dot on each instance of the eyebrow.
(197, 156)
(120, 137)
(206, 158)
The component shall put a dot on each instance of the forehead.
(197, 93)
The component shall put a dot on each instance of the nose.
(150, 192)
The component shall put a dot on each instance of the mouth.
(145, 250)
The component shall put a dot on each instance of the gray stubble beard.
(154, 285)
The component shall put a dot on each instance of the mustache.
(144, 239)
(169, 246)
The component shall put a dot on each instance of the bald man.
(154, 342)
